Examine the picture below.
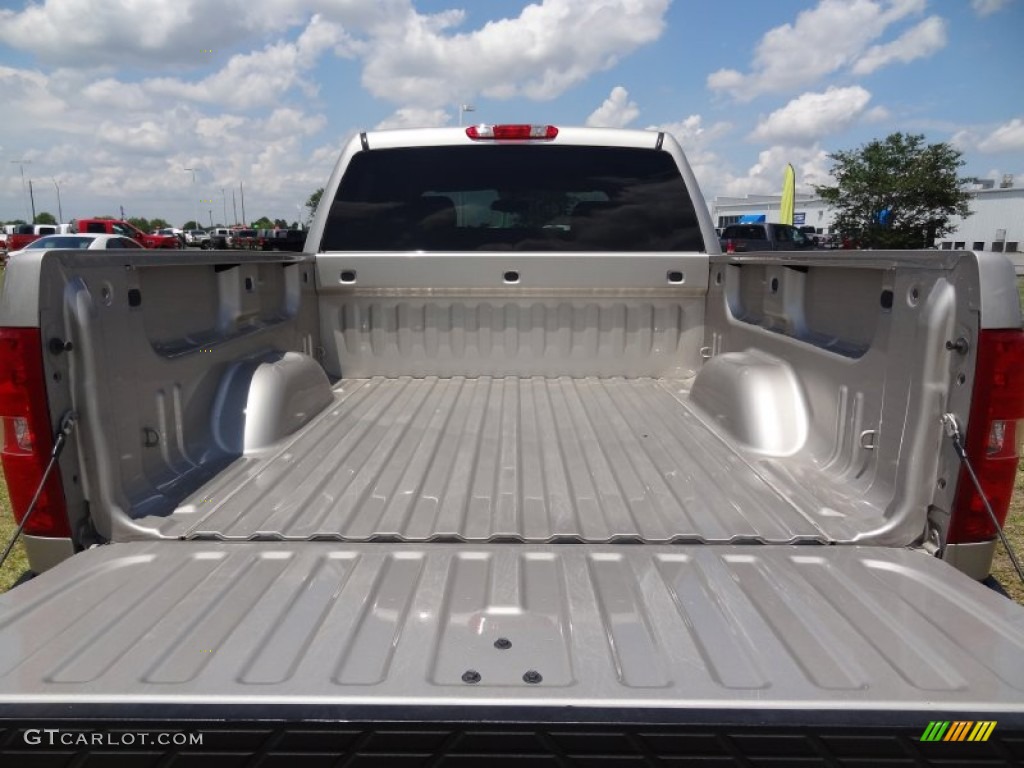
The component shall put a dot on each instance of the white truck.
(511, 464)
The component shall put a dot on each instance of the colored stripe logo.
(958, 730)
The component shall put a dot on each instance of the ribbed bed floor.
(538, 460)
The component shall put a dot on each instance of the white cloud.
(691, 133)
(108, 90)
(222, 129)
(286, 122)
(698, 143)
(77, 31)
(236, 117)
(829, 37)
(147, 135)
(919, 41)
(765, 176)
(813, 115)
(260, 78)
(1006, 138)
(154, 34)
(32, 92)
(964, 140)
(411, 59)
(103, 161)
(617, 111)
(414, 117)
(877, 114)
(988, 7)
(551, 46)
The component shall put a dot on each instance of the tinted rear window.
(62, 242)
(507, 197)
(745, 232)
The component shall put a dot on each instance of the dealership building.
(996, 222)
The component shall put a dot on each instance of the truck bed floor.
(508, 459)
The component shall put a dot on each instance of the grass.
(1002, 568)
(17, 563)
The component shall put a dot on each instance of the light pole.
(224, 197)
(195, 197)
(211, 219)
(60, 211)
(32, 199)
(23, 163)
(465, 108)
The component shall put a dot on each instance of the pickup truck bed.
(509, 466)
(508, 459)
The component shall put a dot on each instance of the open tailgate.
(839, 652)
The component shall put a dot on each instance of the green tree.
(190, 224)
(262, 223)
(313, 203)
(280, 224)
(140, 222)
(45, 217)
(896, 192)
(158, 223)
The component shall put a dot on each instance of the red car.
(123, 228)
(23, 234)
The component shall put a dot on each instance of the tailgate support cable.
(952, 428)
(67, 425)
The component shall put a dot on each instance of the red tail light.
(730, 246)
(511, 132)
(994, 436)
(26, 437)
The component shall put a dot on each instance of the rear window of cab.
(532, 197)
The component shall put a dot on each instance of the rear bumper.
(499, 737)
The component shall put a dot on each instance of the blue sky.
(114, 100)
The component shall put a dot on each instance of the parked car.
(18, 236)
(196, 237)
(470, 484)
(219, 238)
(233, 238)
(172, 232)
(125, 229)
(84, 241)
(811, 233)
(742, 238)
(245, 238)
(281, 239)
